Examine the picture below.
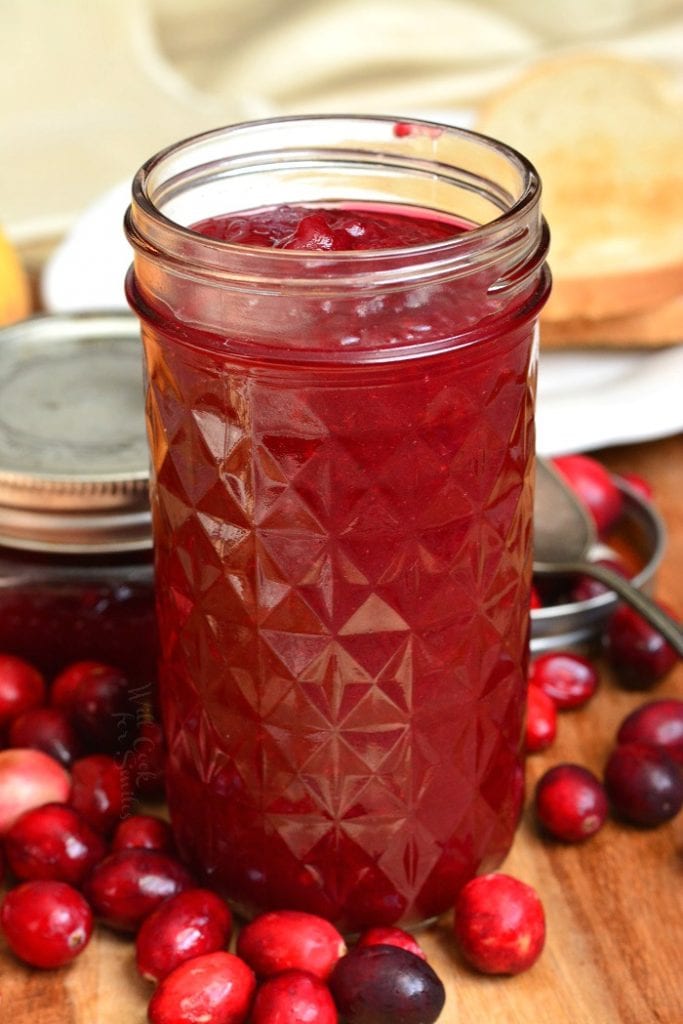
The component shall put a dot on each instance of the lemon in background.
(15, 293)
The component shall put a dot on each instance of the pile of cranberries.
(77, 753)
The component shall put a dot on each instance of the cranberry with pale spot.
(499, 924)
(46, 923)
(570, 803)
(284, 940)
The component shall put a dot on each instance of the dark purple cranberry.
(49, 730)
(104, 714)
(570, 803)
(386, 985)
(644, 784)
(586, 587)
(638, 653)
(659, 723)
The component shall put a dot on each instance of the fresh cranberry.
(22, 687)
(100, 791)
(541, 720)
(185, 926)
(568, 679)
(46, 923)
(586, 587)
(594, 485)
(499, 924)
(292, 998)
(535, 600)
(217, 988)
(145, 762)
(64, 686)
(570, 803)
(290, 940)
(29, 778)
(46, 729)
(644, 784)
(384, 985)
(639, 484)
(659, 723)
(103, 711)
(638, 653)
(143, 831)
(387, 936)
(128, 885)
(53, 842)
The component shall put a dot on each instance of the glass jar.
(76, 571)
(342, 447)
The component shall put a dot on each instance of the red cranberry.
(103, 711)
(570, 803)
(384, 985)
(586, 587)
(639, 484)
(145, 762)
(65, 685)
(185, 926)
(388, 936)
(128, 885)
(594, 485)
(659, 723)
(143, 831)
(499, 924)
(644, 784)
(535, 601)
(217, 988)
(46, 924)
(53, 842)
(46, 729)
(290, 940)
(541, 720)
(638, 653)
(29, 778)
(100, 791)
(21, 687)
(568, 679)
(293, 997)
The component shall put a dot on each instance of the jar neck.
(452, 173)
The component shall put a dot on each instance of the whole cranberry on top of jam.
(594, 485)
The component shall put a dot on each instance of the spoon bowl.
(565, 543)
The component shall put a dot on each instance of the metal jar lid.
(74, 467)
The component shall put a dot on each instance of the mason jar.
(339, 325)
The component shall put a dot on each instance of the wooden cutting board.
(614, 905)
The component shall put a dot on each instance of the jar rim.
(151, 230)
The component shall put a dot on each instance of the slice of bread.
(655, 328)
(606, 135)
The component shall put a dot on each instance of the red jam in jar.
(76, 570)
(340, 409)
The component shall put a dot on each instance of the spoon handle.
(656, 616)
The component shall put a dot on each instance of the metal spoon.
(564, 535)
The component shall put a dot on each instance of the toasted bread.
(654, 328)
(606, 135)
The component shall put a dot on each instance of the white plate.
(586, 400)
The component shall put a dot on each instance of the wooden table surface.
(614, 905)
